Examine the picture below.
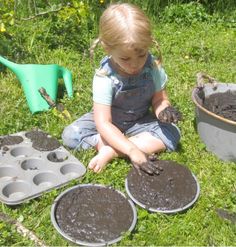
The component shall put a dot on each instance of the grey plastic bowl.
(217, 133)
(80, 241)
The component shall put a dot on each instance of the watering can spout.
(12, 66)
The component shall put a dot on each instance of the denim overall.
(130, 111)
(131, 99)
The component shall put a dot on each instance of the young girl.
(128, 82)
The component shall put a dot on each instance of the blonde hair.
(124, 24)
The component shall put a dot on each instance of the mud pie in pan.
(175, 189)
(93, 215)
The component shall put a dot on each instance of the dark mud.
(41, 141)
(227, 215)
(47, 144)
(172, 189)
(54, 157)
(93, 214)
(10, 140)
(35, 134)
(222, 104)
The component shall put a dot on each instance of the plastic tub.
(217, 133)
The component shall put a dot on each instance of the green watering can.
(36, 76)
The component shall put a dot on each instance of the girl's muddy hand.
(170, 115)
(149, 166)
(144, 167)
(154, 161)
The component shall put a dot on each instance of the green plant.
(6, 14)
(6, 20)
(68, 25)
(185, 13)
(186, 49)
(10, 236)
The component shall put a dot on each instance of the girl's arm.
(159, 102)
(113, 136)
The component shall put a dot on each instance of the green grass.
(186, 51)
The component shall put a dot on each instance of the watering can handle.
(67, 76)
(201, 77)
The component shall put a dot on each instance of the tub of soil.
(174, 190)
(93, 215)
(215, 105)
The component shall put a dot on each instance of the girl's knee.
(79, 137)
(68, 137)
(169, 135)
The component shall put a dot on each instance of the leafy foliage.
(26, 25)
(6, 14)
(9, 234)
(65, 24)
(6, 20)
(185, 13)
(187, 49)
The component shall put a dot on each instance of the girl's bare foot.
(98, 162)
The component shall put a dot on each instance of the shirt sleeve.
(102, 90)
(159, 77)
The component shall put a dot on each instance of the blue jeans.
(82, 133)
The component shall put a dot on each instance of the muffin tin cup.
(26, 173)
(81, 242)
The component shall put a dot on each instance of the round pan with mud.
(93, 215)
(174, 190)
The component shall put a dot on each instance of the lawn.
(186, 49)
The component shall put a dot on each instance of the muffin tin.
(26, 172)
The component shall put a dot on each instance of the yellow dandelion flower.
(2, 28)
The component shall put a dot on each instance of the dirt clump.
(42, 141)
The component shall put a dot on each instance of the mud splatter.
(227, 215)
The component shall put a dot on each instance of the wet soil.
(41, 141)
(10, 140)
(93, 214)
(227, 215)
(172, 189)
(222, 104)
(35, 134)
(54, 157)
